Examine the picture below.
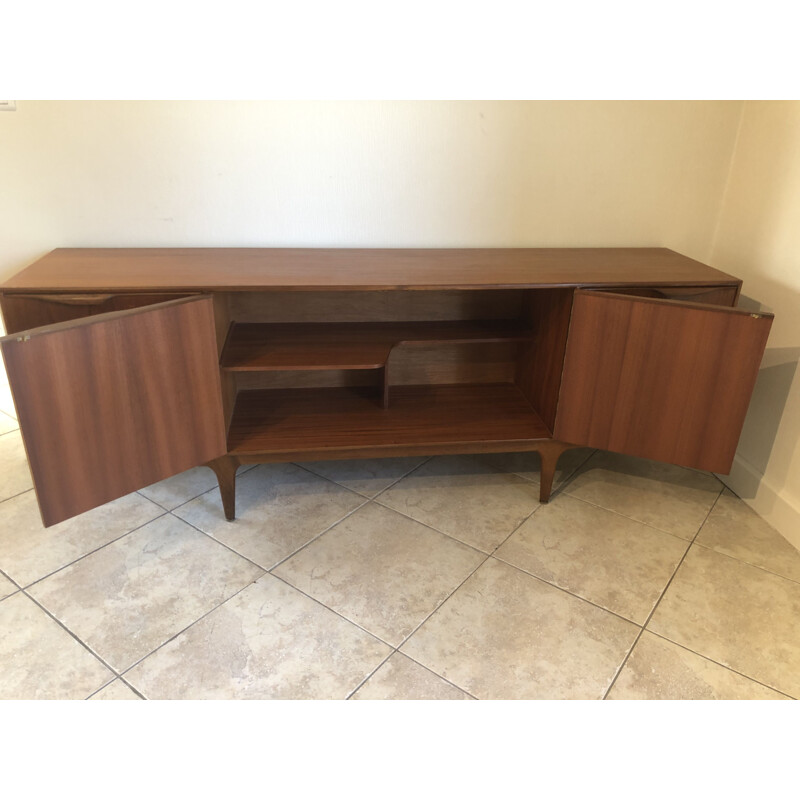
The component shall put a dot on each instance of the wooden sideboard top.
(242, 269)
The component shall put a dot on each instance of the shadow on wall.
(773, 405)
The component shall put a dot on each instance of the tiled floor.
(437, 578)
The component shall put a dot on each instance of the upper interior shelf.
(359, 345)
(251, 269)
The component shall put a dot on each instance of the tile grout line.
(317, 536)
(396, 649)
(441, 677)
(239, 591)
(424, 461)
(658, 601)
(63, 625)
(174, 636)
(367, 501)
(746, 563)
(641, 522)
(80, 641)
(264, 570)
(18, 494)
(430, 527)
(720, 664)
(17, 587)
(566, 591)
(92, 552)
(120, 674)
(419, 664)
(124, 682)
(349, 695)
(487, 556)
(6, 575)
(693, 540)
(455, 589)
(211, 536)
(193, 497)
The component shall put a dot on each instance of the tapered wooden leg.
(549, 455)
(225, 470)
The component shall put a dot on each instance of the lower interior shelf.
(346, 419)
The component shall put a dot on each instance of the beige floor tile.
(737, 615)
(129, 597)
(366, 476)
(39, 660)
(279, 507)
(607, 559)
(527, 465)
(15, 475)
(660, 670)
(400, 678)
(673, 499)
(270, 641)
(381, 570)
(465, 497)
(29, 551)
(6, 401)
(7, 587)
(116, 690)
(505, 635)
(736, 530)
(7, 423)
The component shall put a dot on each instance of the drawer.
(23, 312)
(711, 295)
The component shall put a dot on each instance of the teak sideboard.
(128, 366)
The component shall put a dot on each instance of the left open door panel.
(112, 403)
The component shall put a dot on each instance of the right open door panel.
(659, 379)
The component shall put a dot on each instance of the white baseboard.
(749, 484)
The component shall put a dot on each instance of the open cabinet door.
(660, 379)
(112, 403)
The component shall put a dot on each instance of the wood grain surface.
(345, 421)
(364, 345)
(112, 403)
(541, 361)
(152, 269)
(660, 379)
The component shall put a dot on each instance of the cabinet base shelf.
(284, 424)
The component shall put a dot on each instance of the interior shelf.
(337, 421)
(348, 345)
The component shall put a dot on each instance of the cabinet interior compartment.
(320, 371)
(319, 339)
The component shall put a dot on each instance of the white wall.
(759, 240)
(361, 174)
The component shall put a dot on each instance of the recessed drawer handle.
(71, 299)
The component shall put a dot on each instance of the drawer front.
(23, 312)
(711, 295)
